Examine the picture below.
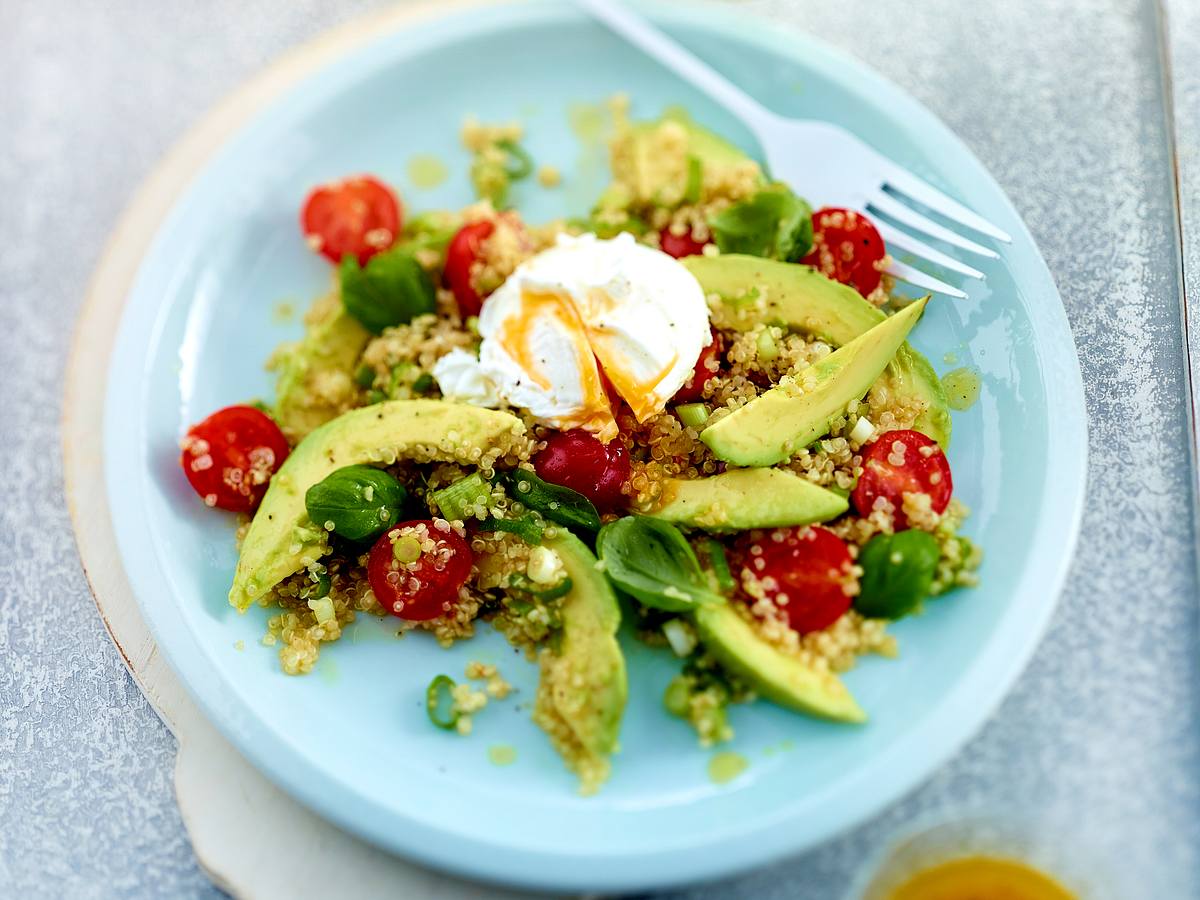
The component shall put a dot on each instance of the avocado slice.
(780, 678)
(281, 540)
(789, 416)
(582, 691)
(801, 298)
(747, 498)
(315, 380)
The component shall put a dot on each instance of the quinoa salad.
(690, 419)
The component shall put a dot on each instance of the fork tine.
(920, 279)
(912, 186)
(890, 206)
(894, 237)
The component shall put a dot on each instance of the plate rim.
(584, 871)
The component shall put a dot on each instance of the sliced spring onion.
(520, 163)
(322, 608)
(524, 586)
(862, 430)
(528, 528)
(768, 350)
(461, 499)
(719, 563)
(693, 415)
(439, 702)
(680, 636)
(695, 179)
(677, 697)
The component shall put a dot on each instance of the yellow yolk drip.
(515, 335)
(637, 392)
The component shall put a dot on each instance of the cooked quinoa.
(662, 194)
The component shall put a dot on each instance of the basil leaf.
(898, 571)
(360, 501)
(774, 223)
(390, 290)
(652, 561)
(559, 504)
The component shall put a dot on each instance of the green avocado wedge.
(747, 498)
(281, 540)
(797, 411)
(315, 379)
(800, 298)
(780, 678)
(582, 690)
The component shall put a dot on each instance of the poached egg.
(572, 316)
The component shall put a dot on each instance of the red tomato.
(898, 463)
(357, 216)
(576, 459)
(804, 570)
(417, 582)
(679, 245)
(230, 456)
(461, 253)
(846, 248)
(708, 363)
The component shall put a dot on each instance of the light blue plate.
(352, 741)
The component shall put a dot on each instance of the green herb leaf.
(651, 560)
(898, 570)
(360, 501)
(557, 503)
(774, 223)
(439, 702)
(364, 376)
(390, 290)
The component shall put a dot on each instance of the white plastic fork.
(825, 163)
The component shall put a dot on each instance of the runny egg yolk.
(515, 335)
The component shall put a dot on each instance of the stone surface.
(1063, 100)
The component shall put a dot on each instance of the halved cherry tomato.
(846, 248)
(578, 460)
(416, 581)
(899, 463)
(679, 245)
(708, 363)
(461, 253)
(358, 216)
(804, 570)
(230, 456)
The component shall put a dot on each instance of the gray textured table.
(1066, 102)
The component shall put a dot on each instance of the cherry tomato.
(461, 253)
(804, 570)
(417, 568)
(358, 216)
(578, 460)
(708, 363)
(846, 248)
(898, 463)
(679, 245)
(230, 456)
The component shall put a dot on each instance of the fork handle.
(689, 67)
